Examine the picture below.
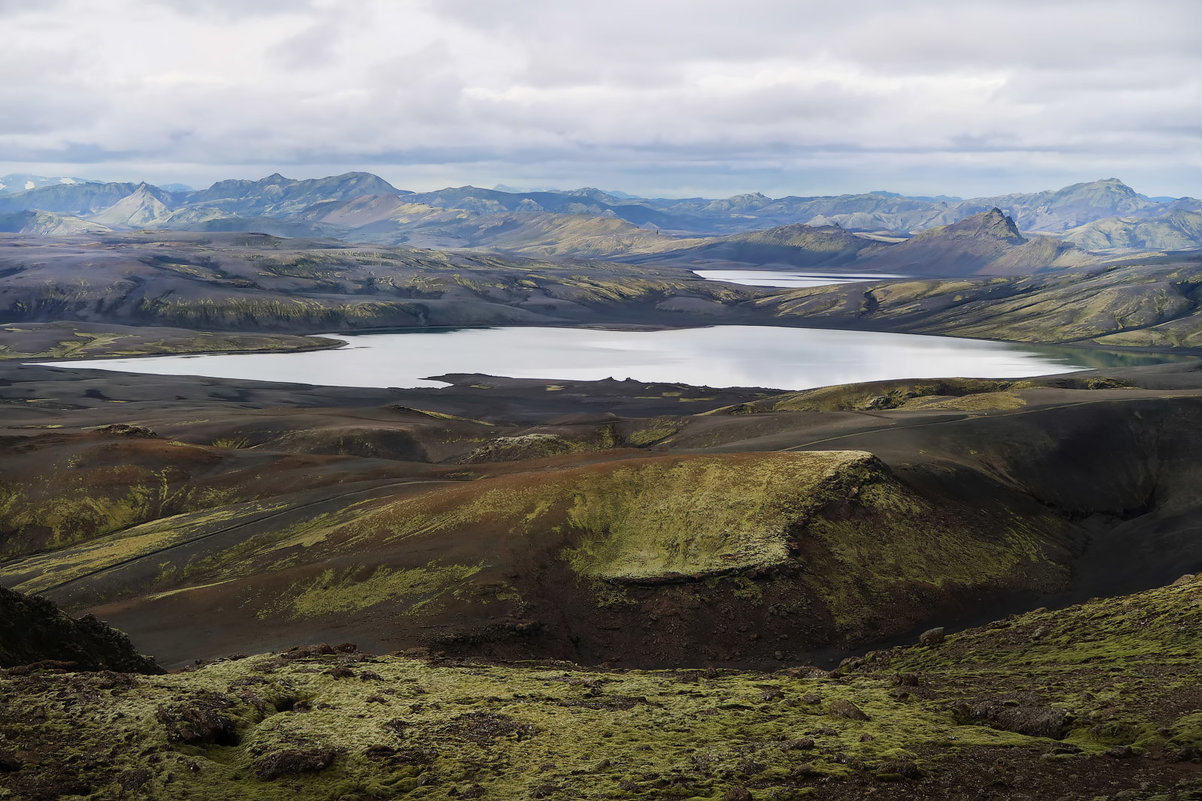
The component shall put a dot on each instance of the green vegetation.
(1037, 696)
(654, 431)
(341, 591)
(82, 341)
(39, 572)
(698, 517)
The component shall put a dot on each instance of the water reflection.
(789, 279)
(763, 356)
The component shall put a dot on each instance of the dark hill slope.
(794, 245)
(33, 629)
(1153, 303)
(526, 563)
(243, 282)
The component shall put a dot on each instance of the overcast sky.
(660, 97)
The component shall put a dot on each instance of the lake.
(788, 278)
(729, 355)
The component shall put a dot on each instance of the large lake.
(729, 355)
(789, 279)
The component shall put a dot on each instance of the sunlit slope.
(649, 560)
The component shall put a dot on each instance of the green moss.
(344, 591)
(655, 430)
(696, 517)
(40, 572)
(388, 726)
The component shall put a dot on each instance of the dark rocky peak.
(992, 224)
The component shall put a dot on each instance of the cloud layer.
(666, 97)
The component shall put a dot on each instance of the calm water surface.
(730, 355)
(787, 278)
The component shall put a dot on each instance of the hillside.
(249, 282)
(33, 630)
(1179, 230)
(44, 223)
(253, 282)
(590, 521)
(988, 243)
(516, 565)
(790, 245)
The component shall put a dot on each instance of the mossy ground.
(332, 723)
(89, 341)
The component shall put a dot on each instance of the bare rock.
(293, 762)
(932, 636)
(1022, 716)
(202, 721)
(841, 708)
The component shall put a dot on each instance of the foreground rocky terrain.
(1097, 701)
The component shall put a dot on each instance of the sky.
(653, 97)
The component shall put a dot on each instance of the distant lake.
(729, 355)
(788, 278)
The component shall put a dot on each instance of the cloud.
(763, 94)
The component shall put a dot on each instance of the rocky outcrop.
(33, 630)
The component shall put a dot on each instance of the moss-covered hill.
(1096, 701)
(652, 560)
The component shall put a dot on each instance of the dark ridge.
(33, 630)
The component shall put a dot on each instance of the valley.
(443, 585)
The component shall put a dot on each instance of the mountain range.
(1104, 215)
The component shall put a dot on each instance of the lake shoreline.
(788, 358)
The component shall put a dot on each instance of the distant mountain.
(1059, 210)
(547, 234)
(276, 195)
(1048, 212)
(45, 223)
(22, 182)
(705, 216)
(145, 207)
(385, 220)
(988, 243)
(1178, 230)
(76, 199)
(750, 228)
